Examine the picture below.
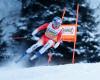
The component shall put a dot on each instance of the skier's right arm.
(42, 27)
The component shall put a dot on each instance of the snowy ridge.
(62, 72)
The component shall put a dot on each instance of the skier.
(51, 38)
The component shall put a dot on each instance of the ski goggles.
(56, 24)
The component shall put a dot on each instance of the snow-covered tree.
(3, 44)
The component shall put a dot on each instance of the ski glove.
(35, 38)
(34, 32)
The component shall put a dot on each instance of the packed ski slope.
(82, 71)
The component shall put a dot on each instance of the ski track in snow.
(82, 71)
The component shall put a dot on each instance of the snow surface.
(82, 71)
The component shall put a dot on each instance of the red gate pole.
(64, 10)
(75, 39)
(50, 55)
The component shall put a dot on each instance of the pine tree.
(2, 43)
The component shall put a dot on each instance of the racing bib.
(51, 32)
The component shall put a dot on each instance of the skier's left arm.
(58, 39)
(42, 27)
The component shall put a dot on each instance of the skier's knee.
(51, 42)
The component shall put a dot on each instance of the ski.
(21, 57)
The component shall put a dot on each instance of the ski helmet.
(57, 21)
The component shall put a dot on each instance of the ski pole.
(49, 57)
(20, 37)
(27, 37)
(64, 10)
